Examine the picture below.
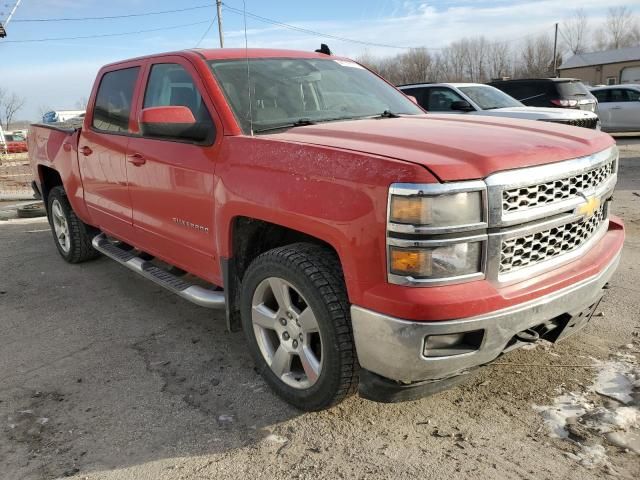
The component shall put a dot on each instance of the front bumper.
(394, 349)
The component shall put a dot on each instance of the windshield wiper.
(387, 114)
(302, 122)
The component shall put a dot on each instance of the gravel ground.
(103, 375)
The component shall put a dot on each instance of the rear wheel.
(71, 235)
(295, 314)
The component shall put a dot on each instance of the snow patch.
(608, 410)
(564, 410)
(590, 456)
(275, 438)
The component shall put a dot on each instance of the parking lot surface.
(103, 375)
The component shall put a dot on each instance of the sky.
(59, 73)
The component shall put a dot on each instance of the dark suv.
(549, 92)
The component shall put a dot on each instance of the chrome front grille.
(591, 123)
(534, 248)
(524, 198)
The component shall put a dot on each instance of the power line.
(170, 27)
(206, 31)
(271, 21)
(312, 32)
(112, 17)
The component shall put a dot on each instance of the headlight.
(455, 260)
(437, 208)
(463, 208)
(426, 243)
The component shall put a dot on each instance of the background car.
(15, 143)
(479, 99)
(619, 107)
(549, 92)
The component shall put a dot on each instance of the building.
(604, 68)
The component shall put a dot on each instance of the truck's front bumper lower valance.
(407, 352)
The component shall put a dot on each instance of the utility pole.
(555, 54)
(3, 32)
(219, 5)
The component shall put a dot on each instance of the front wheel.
(295, 314)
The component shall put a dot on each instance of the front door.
(623, 108)
(102, 152)
(171, 181)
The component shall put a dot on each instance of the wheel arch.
(248, 238)
(49, 178)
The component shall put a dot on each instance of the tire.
(32, 210)
(320, 357)
(73, 238)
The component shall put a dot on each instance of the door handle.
(136, 159)
(616, 108)
(86, 151)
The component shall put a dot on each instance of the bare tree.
(415, 66)
(499, 60)
(537, 57)
(574, 32)
(81, 104)
(453, 58)
(620, 30)
(11, 104)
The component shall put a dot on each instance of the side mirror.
(462, 106)
(172, 123)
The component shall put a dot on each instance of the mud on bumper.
(404, 360)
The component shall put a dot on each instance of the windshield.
(285, 91)
(488, 98)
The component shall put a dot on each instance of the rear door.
(171, 181)
(102, 149)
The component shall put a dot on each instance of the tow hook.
(528, 336)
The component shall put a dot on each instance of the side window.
(601, 95)
(624, 95)
(440, 99)
(523, 91)
(113, 102)
(170, 85)
(421, 95)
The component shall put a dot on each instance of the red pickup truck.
(361, 244)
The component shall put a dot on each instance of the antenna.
(246, 51)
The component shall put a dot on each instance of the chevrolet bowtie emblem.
(589, 207)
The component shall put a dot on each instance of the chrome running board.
(194, 293)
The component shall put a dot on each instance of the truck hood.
(538, 113)
(454, 147)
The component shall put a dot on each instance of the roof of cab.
(234, 54)
(241, 53)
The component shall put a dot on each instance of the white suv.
(479, 99)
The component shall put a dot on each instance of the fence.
(15, 177)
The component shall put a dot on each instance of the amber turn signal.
(410, 262)
(413, 210)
